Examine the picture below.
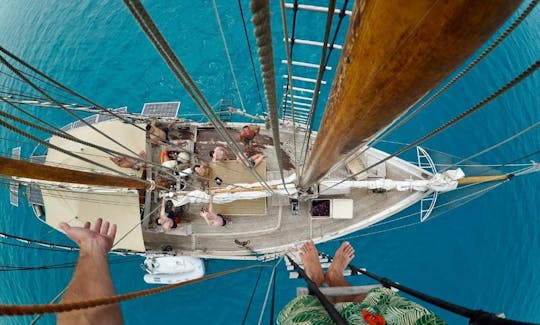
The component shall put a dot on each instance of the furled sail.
(395, 53)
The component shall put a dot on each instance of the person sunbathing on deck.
(218, 154)
(158, 135)
(202, 169)
(213, 219)
(253, 158)
(128, 162)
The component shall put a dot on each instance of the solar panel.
(34, 194)
(107, 117)
(165, 109)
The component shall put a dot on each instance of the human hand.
(100, 238)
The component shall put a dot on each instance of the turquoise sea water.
(482, 255)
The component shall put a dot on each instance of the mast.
(19, 168)
(395, 52)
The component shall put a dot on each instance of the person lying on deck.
(218, 154)
(213, 219)
(128, 162)
(158, 135)
(248, 133)
(254, 158)
(202, 169)
(378, 306)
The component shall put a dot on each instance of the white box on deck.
(341, 209)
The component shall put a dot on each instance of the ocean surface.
(484, 254)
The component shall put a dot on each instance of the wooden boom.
(395, 52)
(19, 168)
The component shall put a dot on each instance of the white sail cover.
(440, 182)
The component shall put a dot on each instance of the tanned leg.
(312, 266)
(334, 276)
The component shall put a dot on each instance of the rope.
(495, 145)
(144, 20)
(31, 84)
(462, 73)
(320, 74)
(62, 134)
(59, 247)
(342, 14)
(272, 277)
(68, 90)
(475, 316)
(250, 53)
(263, 35)
(530, 70)
(288, 51)
(228, 54)
(251, 297)
(20, 310)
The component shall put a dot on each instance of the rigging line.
(54, 300)
(462, 73)
(530, 70)
(36, 248)
(342, 14)
(67, 265)
(68, 90)
(144, 20)
(250, 53)
(521, 158)
(251, 297)
(30, 83)
(288, 52)
(49, 145)
(469, 197)
(320, 74)
(59, 247)
(520, 133)
(274, 268)
(21, 310)
(289, 85)
(63, 134)
(33, 77)
(228, 54)
(263, 35)
(273, 302)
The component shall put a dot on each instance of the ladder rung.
(304, 79)
(316, 9)
(300, 89)
(299, 103)
(299, 109)
(296, 117)
(305, 64)
(314, 43)
(301, 97)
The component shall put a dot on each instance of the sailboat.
(336, 168)
(311, 185)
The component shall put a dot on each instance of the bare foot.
(312, 266)
(344, 255)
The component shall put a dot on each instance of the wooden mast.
(19, 168)
(395, 52)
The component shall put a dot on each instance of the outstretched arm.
(92, 277)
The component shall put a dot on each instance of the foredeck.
(268, 225)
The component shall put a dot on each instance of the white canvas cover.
(77, 208)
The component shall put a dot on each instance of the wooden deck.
(268, 224)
